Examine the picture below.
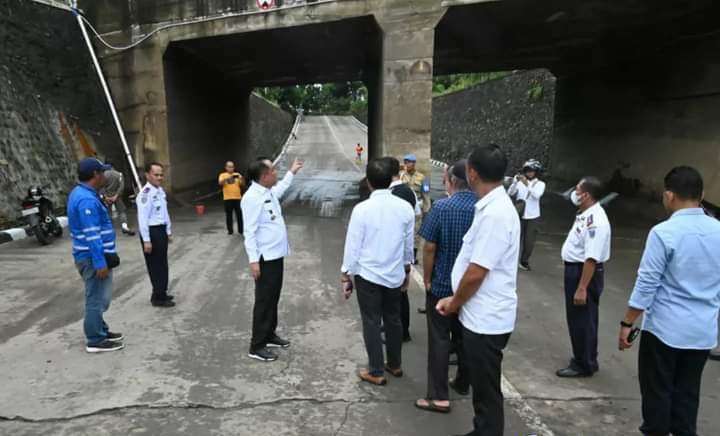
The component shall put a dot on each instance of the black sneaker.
(163, 303)
(278, 342)
(115, 337)
(525, 266)
(263, 355)
(128, 232)
(104, 347)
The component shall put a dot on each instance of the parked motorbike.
(39, 214)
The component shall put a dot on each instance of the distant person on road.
(111, 194)
(416, 180)
(232, 184)
(529, 188)
(378, 255)
(585, 252)
(358, 153)
(678, 293)
(484, 282)
(155, 233)
(447, 222)
(266, 243)
(95, 254)
(398, 188)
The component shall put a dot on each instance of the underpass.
(185, 370)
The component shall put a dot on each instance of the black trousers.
(528, 235)
(440, 330)
(405, 313)
(267, 296)
(157, 262)
(583, 320)
(230, 207)
(670, 387)
(484, 355)
(380, 303)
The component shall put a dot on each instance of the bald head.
(230, 166)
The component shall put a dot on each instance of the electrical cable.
(189, 22)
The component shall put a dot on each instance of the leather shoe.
(163, 303)
(422, 310)
(571, 372)
(459, 390)
(372, 379)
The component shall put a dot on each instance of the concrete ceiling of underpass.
(564, 35)
(328, 52)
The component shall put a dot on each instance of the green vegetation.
(536, 91)
(351, 98)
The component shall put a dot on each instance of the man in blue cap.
(416, 180)
(94, 251)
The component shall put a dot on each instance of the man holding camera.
(528, 188)
(232, 183)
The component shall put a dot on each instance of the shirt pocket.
(269, 212)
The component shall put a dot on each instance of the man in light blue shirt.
(678, 291)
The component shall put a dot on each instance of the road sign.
(265, 4)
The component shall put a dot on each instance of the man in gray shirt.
(111, 194)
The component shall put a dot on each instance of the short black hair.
(593, 186)
(490, 162)
(257, 168)
(379, 173)
(685, 182)
(149, 165)
(394, 165)
(84, 177)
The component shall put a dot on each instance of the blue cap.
(91, 164)
(411, 157)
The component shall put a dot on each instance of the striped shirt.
(90, 226)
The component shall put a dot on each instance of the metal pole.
(110, 102)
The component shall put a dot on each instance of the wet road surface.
(185, 371)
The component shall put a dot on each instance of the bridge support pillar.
(401, 119)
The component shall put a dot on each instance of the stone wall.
(515, 112)
(269, 128)
(51, 106)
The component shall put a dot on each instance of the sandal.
(431, 406)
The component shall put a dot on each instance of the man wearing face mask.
(585, 252)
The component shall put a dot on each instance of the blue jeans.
(97, 301)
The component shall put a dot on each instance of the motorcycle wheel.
(57, 228)
(42, 237)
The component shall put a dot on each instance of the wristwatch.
(626, 324)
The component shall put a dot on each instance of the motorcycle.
(39, 213)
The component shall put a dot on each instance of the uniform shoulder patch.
(143, 199)
(591, 232)
(146, 190)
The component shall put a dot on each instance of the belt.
(581, 264)
(158, 225)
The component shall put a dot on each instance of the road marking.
(529, 416)
(339, 144)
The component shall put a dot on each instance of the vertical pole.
(111, 104)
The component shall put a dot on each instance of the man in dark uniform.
(155, 233)
(402, 190)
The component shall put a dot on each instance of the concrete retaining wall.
(51, 106)
(516, 112)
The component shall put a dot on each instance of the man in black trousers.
(402, 190)
(155, 233)
(266, 243)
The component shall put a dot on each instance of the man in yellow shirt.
(232, 183)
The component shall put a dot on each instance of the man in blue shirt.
(443, 230)
(93, 239)
(678, 292)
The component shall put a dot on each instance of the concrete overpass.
(183, 92)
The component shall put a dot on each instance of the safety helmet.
(532, 165)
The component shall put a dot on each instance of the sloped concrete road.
(185, 370)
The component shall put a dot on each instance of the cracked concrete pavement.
(185, 370)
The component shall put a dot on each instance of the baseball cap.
(410, 157)
(91, 164)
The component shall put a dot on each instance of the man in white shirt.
(585, 252)
(528, 188)
(155, 233)
(378, 253)
(266, 243)
(484, 283)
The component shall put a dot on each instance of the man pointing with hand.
(266, 243)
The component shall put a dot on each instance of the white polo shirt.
(532, 193)
(493, 242)
(589, 237)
